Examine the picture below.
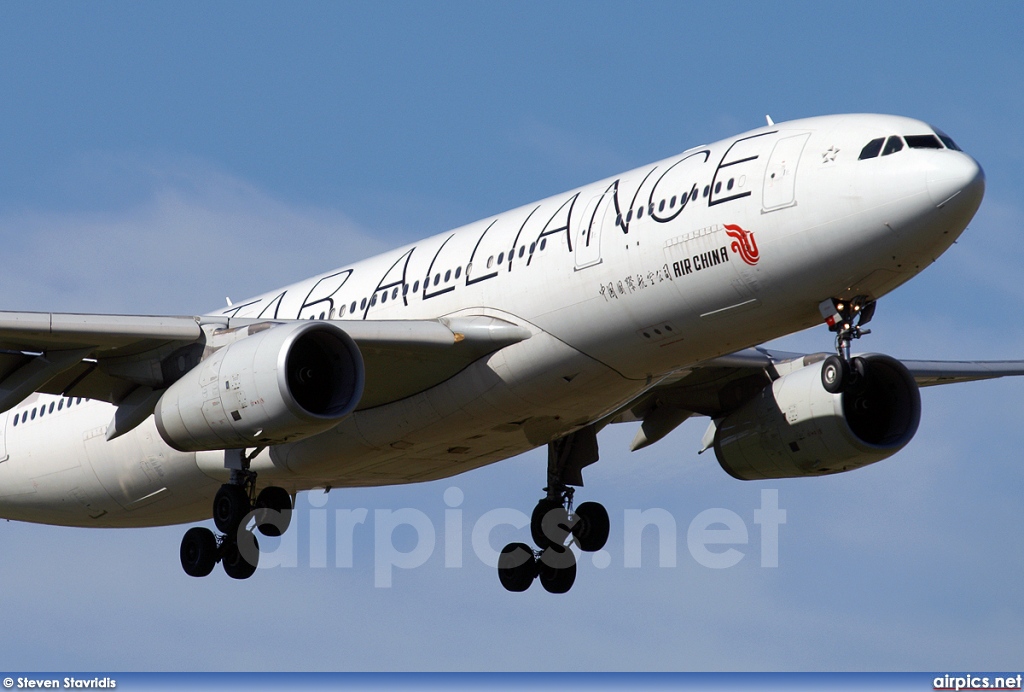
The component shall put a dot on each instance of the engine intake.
(273, 386)
(795, 428)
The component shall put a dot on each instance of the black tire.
(556, 569)
(834, 374)
(273, 511)
(517, 567)
(230, 507)
(198, 551)
(858, 376)
(549, 524)
(235, 564)
(592, 526)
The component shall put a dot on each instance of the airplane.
(644, 298)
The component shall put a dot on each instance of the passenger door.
(780, 176)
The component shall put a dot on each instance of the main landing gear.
(841, 373)
(235, 503)
(555, 526)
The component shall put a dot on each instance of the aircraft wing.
(718, 386)
(112, 357)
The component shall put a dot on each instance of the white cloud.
(192, 236)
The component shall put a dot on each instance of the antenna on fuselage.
(771, 123)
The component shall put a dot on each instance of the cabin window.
(543, 244)
(394, 293)
(448, 276)
(458, 272)
(501, 257)
(416, 286)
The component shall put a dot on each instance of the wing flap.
(42, 331)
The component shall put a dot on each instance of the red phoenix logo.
(743, 243)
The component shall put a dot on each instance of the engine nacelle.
(277, 385)
(795, 428)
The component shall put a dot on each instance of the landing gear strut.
(846, 318)
(236, 501)
(554, 525)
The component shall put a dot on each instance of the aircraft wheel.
(834, 374)
(517, 567)
(235, 564)
(198, 551)
(549, 524)
(273, 511)
(592, 526)
(858, 376)
(556, 569)
(230, 507)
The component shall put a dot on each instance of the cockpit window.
(871, 149)
(950, 144)
(893, 145)
(947, 140)
(923, 142)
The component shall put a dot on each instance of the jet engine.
(795, 428)
(276, 385)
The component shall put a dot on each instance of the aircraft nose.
(955, 177)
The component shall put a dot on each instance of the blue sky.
(157, 157)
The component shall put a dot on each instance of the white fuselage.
(620, 282)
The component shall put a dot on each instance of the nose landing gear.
(235, 503)
(841, 373)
